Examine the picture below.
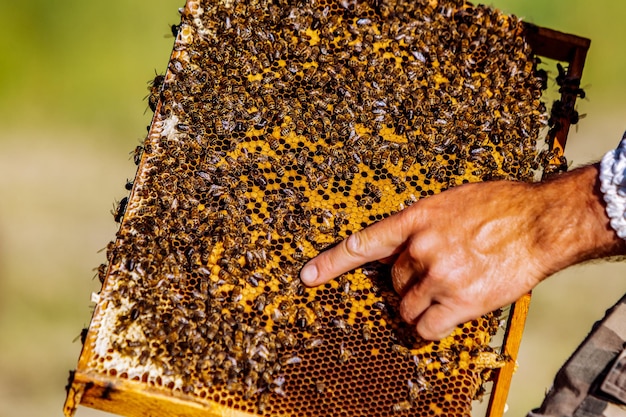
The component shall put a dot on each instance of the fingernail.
(308, 275)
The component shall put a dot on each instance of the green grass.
(83, 64)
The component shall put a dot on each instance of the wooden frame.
(122, 396)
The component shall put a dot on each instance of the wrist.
(575, 227)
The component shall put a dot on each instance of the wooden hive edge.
(136, 399)
(513, 339)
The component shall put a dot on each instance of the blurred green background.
(73, 78)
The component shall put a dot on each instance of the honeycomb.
(280, 129)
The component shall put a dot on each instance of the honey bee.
(264, 59)
(422, 384)
(394, 157)
(155, 91)
(342, 325)
(82, 336)
(137, 153)
(286, 339)
(301, 317)
(401, 350)
(213, 328)
(303, 51)
(176, 66)
(260, 302)
(285, 130)
(219, 128)
(300, 127)
(102, 270)
(313, 342)
(322, 180)
(374, 190)
(399, 184)
(344, 354)
(322, 78)
(408, 162)
(290, 360)
(402, 406)
(119, 211)
(269, 100)
(309, 73)
(273, 142)
(264, 403)
(366, 332)
(143, 357)
(365, 201)
(415, 390)
(320, 387)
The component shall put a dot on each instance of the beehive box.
(281, 128)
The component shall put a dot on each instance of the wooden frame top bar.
(554, 44)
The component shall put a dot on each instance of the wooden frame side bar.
(512, 341)
(562, 47)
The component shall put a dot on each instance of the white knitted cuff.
(613, 186)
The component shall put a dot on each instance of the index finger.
(380, 240)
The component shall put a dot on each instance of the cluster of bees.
(280, 129)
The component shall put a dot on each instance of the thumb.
(437, 322)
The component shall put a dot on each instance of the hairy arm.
(478, 247)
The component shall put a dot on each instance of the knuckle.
(422, 245)
(406, 312)
(417, 246)
(354, 245)
(415, 249)
(396, 278)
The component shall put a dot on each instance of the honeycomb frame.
(129, 397)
